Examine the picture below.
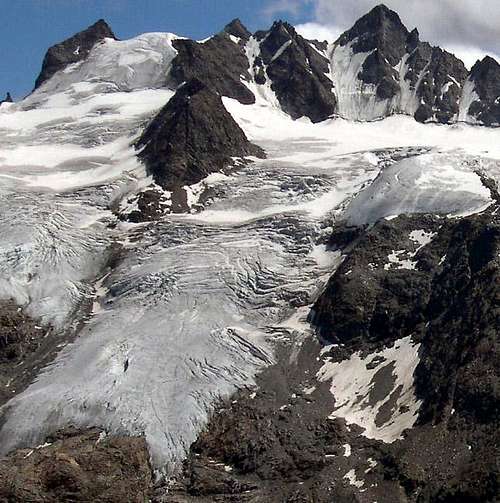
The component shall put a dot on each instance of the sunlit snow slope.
(194, 303)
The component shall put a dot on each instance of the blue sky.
(31, 26)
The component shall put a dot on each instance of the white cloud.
(470, 55)
(318, 31)
(471, 26)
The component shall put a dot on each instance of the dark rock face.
(79, 466)
(485, 75)
(376, 70)
(279, 444)
(297, 73)
(436, 76)
(440, 86)
(237, 29)
(191, 137)
(72, 50)
(369, 301)
(20, 339)
(382, 30)
(459, 367)
(8, 99)
(150, 206)
(372, 304)
(451, 304)
(219, 63)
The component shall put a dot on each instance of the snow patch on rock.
(137, 63)
(468, 97)
(376, 391)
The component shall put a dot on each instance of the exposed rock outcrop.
(439, 84)
(73, 50)
(485, 77)
(219, 62)
(8, 99)
(378, 302)
(446, 295)
(237, 29)
(460, 361)
(79, 466)
(297, 72)
(191, 137)
(404, 74)
(148, 205)
(20, 341)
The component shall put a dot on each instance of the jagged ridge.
(191, 137)
(73, 50)
(375, 69)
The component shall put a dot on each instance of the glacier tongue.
(190, 313)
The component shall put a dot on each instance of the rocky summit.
(191, 137)
(408, 76)
(298, 72)
(7, 99)
(72, 50)
(485, 77)
(255, 268)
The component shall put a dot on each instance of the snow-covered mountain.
(251, 268)
(375, 69)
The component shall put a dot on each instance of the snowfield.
(196, 302)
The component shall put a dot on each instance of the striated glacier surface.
(174, 314)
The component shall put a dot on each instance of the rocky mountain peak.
(237, 29)
(218, 62)
(8, 99)
(485, 67)
(485, 75)
(191, 137)
(402, 73)
(381, 17)
(284, 27)
(413, 39)
(297, 71)
(100, 28)
(279, 34)
(380, 29)
(73, 50)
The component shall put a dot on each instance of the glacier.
(175, 314)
